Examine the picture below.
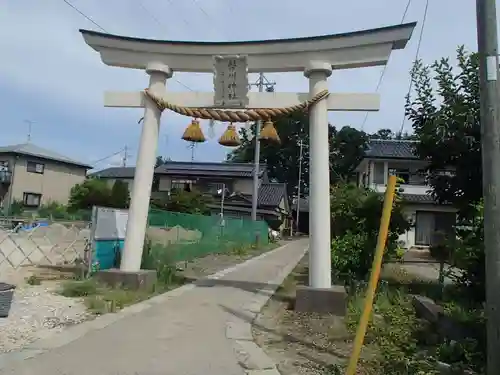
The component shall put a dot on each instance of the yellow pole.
(375, 274)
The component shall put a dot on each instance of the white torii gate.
(316, 57)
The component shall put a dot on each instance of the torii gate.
(316, 57)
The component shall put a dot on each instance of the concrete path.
(196, 329)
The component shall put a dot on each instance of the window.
(181, 185)
(32, 199)
(34, 167)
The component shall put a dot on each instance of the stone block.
(426, 308)
(321, 300)
(137, 280)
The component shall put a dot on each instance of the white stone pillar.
(319, 180)
(144, 171)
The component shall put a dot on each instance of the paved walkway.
(191, 331)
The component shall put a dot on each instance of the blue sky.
(48, 75)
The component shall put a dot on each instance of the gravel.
(35, 312)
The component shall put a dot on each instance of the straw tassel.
(230, 137)
(193, 132)
(269, 132)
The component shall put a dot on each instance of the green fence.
(188, 236)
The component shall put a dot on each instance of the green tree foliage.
(347, 146)
(445, 117)
(91, 192)
(190, 202)
(356, 214)
(119, 195)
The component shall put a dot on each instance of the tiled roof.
(392, 149)
(29, 149)
(181, 168)
(419, 198)
(208, 169)
(115, 172)
(270, 194)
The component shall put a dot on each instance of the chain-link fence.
(188, 236)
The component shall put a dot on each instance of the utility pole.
(301, 144)
(256, 167)
(29, 122)
(490, 142)
(125, 156)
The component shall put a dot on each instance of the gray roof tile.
(115, 172)
(391, 149)
(270, 194)
(29, 149)
(208, 169)
(181, 168)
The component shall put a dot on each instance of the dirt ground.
(201, 267)
(300, 343)
(307, 344)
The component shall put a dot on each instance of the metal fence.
(185, 236)
(188, 236)
(42, 242)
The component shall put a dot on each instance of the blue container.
(106, 252)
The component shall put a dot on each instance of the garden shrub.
(355, 224)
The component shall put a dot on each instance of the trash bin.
(6, 296)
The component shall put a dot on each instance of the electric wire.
(417, 54)
(107, 157)
(79, 11)
(384, 69)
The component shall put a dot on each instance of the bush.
(190, 202)
(159, 258)
(355, 224)
(467, 254)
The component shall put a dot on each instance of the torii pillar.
(316, 57)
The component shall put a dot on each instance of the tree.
(446, 123)
(190, 202)
(91, 192)
(282, 159)
(383, 134)
(346, 150)
(119, 195)
(348, 147)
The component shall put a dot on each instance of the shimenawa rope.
(235, 116)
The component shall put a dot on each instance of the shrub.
(83, 288)
(159, 258)
(91, 192)
(467, 254)
(355, 224)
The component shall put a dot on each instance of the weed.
(79, 288)
(33, 280)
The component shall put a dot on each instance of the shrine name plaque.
(231, 81)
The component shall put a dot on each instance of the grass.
(101, 299)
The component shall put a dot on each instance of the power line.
(109, 156)
(84, 15)
(384, 69)
(417, 54)
(76, 9)
(156, 19)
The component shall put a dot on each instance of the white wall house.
(385, 157)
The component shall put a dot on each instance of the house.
(36, 176)
(385, 157)
(234, 179)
